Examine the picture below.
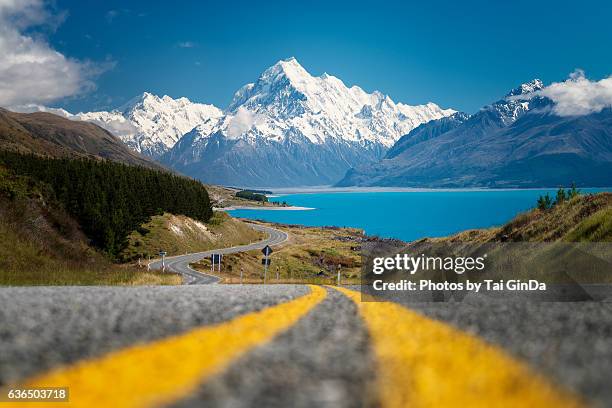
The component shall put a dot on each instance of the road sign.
(266, 261)
(162, 253)
(267, 251)
(215, 259)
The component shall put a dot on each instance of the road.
(180, 264)
(302, 346)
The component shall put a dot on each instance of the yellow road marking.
(166, 370)
(425, 363)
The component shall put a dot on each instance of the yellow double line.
(166, 370)
(425, 363)
(419, 362)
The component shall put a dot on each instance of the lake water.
(404, 215)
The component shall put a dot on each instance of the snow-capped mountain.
(150, 124)
(291, 128)
(517, 141)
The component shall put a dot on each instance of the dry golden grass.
(179, 235)
(311, 255)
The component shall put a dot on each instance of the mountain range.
(288, 128)
(517, 141)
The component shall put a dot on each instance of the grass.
(596, 228)
(311, 255)
(22, 262)
(567, 243)
(179, 234)
(42, 245)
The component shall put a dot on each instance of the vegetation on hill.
(110, 200)
(578, 219)
(40, 244)
(177, 234)
(252, 196)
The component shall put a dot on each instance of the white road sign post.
(266, 251)
(339, 266)
(215, 259)
(163, 256)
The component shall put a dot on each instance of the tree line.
(251, 195)
(110, 200)
(546, 202)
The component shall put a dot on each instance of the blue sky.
(457, 54)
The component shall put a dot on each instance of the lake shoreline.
(407, 216)
(262, 208)
(279, 192)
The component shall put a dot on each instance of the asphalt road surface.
(301, 346)
(180, 264)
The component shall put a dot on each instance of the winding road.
(180, 263)
(299, 346)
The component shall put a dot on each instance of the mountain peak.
(527, 88)
(289, 68)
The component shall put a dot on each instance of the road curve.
(180, 263)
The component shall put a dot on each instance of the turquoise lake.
(404, 215)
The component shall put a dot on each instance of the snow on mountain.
(294, 116)
(151, 124)
(286, 99)
(512, 106)
(510, 143)
(148, 124)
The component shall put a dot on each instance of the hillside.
(178, 234)
(110, 200)
(40, 244)
(52, 135)
(586, 218)
(567, 244)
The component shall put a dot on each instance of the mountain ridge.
(517, 141)
(49, 134)
(290, 128)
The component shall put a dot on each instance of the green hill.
(585, 218)
(109, 200)
(41, 244)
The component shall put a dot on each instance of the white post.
(266, 269)
(163, 263)
(339, 266)
(149, 264)
(219, 266)
(241, 272)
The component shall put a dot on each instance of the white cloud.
(32, 107)
(242, 121)
(578, 95)
(31, 71)
(118, 126)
